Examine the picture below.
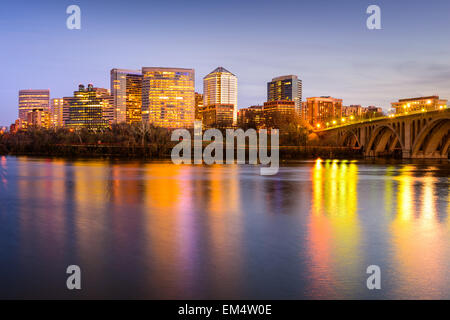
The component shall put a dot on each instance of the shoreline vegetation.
(142, 141)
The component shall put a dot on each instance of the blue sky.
(325, 43)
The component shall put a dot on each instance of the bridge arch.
(433, 141)
(383, 140)
(349, 138)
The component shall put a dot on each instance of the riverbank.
(145, 142)
(164, 152)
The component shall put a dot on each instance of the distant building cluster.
(166, 97)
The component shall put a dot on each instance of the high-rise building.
(323, 109)
(32, 99)
(126, 90)
(57, 112)
(86, 109)
(168, 97)
(285, 88)
(198, 105)
(220, 87)
(107, 101)
(420, 104)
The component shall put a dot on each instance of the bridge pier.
(407, 141)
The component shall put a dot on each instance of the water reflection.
(421, 256)
(334, 227)
(157, 230)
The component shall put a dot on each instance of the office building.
(126, 90)
(33, 99)
(107, 101)
(39, 117)
(86, 109)
(276, 112)
(168, 97)
(57, 112)
(217, 116)
(285, 88)
(251, 117)
(220, 88)
(67, 101)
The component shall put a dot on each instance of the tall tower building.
(126, 90)
(168, 97)
(220, 88)
(33, 99)
(285, 88)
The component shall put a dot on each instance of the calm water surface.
(157, 230)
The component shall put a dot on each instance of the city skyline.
(362, 68)
(166, 97)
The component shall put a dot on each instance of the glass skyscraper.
(220, 88)
(285, 88)
(168, 98)
(126, 90)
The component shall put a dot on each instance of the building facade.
(198, 105)
(168, 97)
(107, 100)
(321, 110)
(67, 101)
(33, 99)
(217, 116)
(220, 88)
(126, 90)
(285, 88)
(352, 110)
(86, 109)
(277, 111)
(419, 104)
(251, 117)
(57, 112)
(39, 118)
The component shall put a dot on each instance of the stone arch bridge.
(418, 135)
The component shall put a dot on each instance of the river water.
(162, 231)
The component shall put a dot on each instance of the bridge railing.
(349, 122)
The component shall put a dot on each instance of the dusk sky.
(325, 43)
